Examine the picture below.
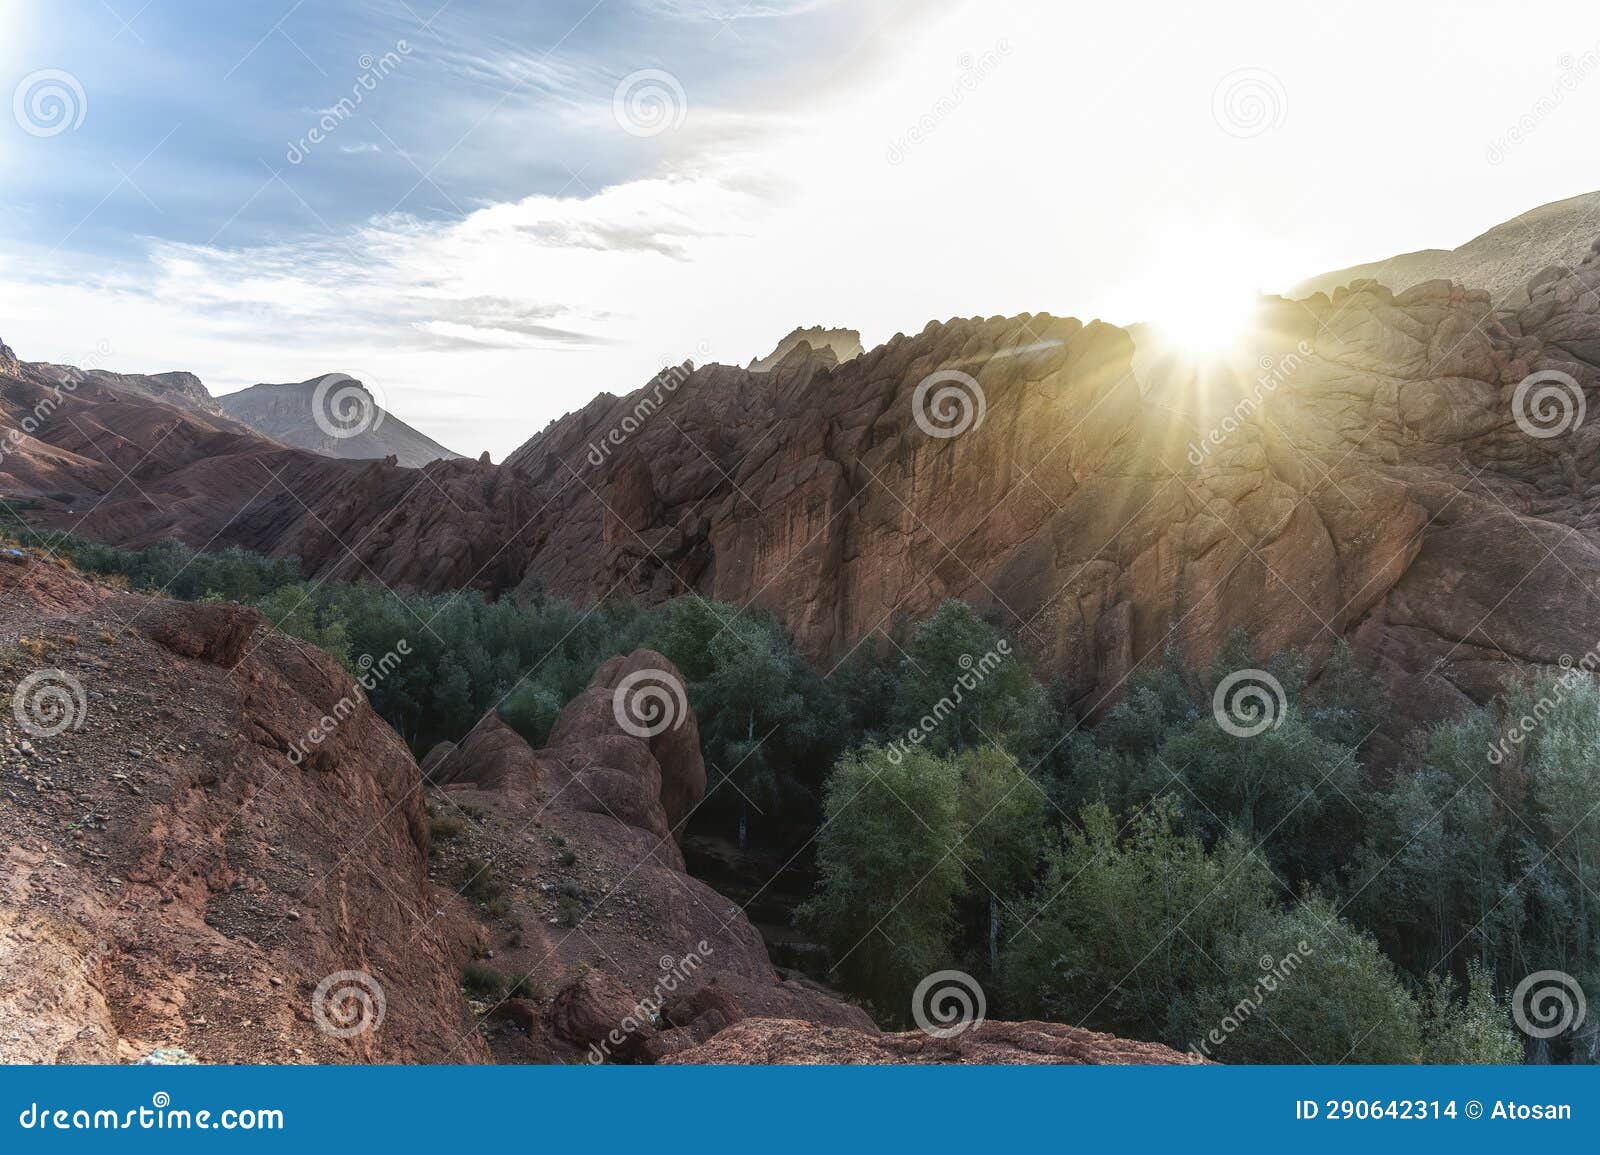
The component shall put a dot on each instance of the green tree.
(1004, 823)
(889, 872)
(962, 682)
(295, 611)
(1298, 984)
(1127, 919)
(1289, 787)
(767, 719)
(1475, 1028)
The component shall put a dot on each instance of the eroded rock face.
(1358, 473)
(594, 905)
(843, 344)
(171, 878)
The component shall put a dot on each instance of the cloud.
(735, 9)
(497, 301)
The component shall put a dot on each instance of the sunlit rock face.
(1353, 467)
(842, 343)
(1410, 472)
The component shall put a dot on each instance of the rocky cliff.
(171, 879)
(843, 344)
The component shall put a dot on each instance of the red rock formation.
(596, 909)
(171, 878)
(1359, 474)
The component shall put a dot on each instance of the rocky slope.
(176, 388)
(334, 415)
(215, 849)
(1501, 261)
(171, 879)
(586, 892)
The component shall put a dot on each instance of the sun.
(1204, 298)
(1211, 323)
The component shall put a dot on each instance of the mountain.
(1501, 261)
(334, 415)
(1374, 470)
(1413, 473)
(176, 388)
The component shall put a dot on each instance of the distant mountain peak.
(336, 415)
(1505, 260)
(842, 343)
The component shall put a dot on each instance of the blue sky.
(198, 104)
(494, 233)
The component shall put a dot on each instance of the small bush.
(479, 881)
(525, 987)
(483, 981)
(568, 911)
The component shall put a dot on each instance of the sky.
(490, 211)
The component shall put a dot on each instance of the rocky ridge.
(1365, 470)
(1501, 261)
